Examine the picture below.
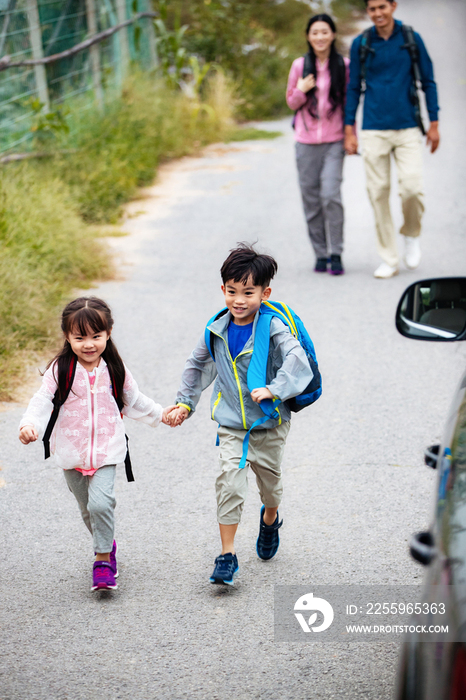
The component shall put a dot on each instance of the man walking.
(383, 64)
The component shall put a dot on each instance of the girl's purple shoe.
(103, 577)
(113, 560)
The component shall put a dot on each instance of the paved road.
(355, 484)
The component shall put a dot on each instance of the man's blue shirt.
(387, 103)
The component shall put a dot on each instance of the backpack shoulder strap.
(118, 399)
(57, 404)
(257, 370)
(208, 334)
(307, 65)
(364, 49)
(281, 311)
(413, 49)
(119, 402)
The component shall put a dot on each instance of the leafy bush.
(119, 151)
(45, 252)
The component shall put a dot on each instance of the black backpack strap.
(307, 70)
(307, 66)
(364, 50)
(413, 50)
(128, 465)
(57, 404)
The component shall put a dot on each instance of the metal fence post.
(95, 55)
(123, 37)
(154, 58)
(35, 36)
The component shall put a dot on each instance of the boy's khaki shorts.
(265, 456)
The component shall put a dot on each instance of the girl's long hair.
(81, 316)
(337, 70)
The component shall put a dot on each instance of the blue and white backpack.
(256, 376)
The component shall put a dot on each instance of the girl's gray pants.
(96, 498)
(320, 168)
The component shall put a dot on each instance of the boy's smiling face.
(243, 300)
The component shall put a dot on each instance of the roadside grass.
(53, 211)
(111, 155)
(46, 251)
(251, 134)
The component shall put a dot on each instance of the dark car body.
(433, 667)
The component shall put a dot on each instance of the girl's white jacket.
(89, 432)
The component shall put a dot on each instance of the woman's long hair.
(337, 72)
(81, 316)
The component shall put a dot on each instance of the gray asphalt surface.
(355, 484)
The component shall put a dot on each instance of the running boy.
(246, 278)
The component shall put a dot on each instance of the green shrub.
(46, 251)
(120, 151)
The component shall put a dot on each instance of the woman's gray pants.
(320, 168)
(96, 499)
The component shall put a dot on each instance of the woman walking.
(316, 91)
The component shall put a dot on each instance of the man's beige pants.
(406, 146)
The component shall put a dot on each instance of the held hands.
(165, 414)
(176, 415)
(28, 434)
(306, 84)
(260, 394)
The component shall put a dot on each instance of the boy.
(246, 278)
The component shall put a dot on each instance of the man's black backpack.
(58, 403)
(410, 44)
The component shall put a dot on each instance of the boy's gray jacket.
(288, 374)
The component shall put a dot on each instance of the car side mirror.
(433, 309)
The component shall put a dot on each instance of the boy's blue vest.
(256, 377)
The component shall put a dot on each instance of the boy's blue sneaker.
(226, 569)
(268, 540)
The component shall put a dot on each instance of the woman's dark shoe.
(321, 265)
(336, 268)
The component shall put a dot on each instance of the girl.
(316, 91)
(89, 438)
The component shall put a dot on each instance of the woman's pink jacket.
(307, 128)
(89, 432)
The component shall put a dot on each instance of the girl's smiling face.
(88, 348)
(243, 300)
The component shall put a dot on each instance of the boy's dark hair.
(244, 262)
(390, 1)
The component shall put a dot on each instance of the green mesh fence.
(31, 29)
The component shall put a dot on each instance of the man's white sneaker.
(412, 256)
(384, 271)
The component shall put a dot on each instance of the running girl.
(88, 440)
